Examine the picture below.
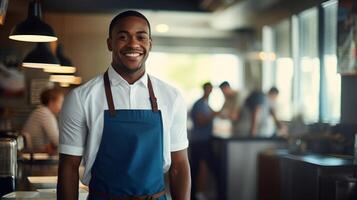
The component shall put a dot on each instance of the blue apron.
(129, 162)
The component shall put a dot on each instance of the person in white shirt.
(127, 127)
(41, 128)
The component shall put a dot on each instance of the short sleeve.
(178, 128)
(72, 126)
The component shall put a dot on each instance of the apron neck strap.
(108, 93)
(153, 99)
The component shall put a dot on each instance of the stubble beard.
(127, 70)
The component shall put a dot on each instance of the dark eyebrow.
(139, 32)
(143, 32)
(118, 32)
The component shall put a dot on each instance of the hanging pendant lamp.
(41, 57)
(33, 29)
(66, 64)
(65, 80)
(60, 69)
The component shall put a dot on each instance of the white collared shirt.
(81, 118)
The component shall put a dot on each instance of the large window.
(188, 72)
(305, 69)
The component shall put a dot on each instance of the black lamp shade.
(62, 58)
(66, 64)
(33, 29)
(40, 57)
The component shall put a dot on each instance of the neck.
(130, 76)
(230, 93)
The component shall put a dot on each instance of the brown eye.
(123, 37)
(143, 37)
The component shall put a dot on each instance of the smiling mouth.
(132, 55)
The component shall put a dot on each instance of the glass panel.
(284, 70)
(310, 75)
(332, 97)
(309, 66)
(284, 82)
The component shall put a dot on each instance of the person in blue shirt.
(255, 116)
(200, 142)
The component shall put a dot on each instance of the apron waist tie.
(112, 197)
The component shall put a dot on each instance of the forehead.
(131, 23)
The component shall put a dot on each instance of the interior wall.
(349, 100)
(83, 38)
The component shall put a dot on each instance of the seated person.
(41, 128)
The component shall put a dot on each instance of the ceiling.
(187, 18)
(114, 5)
(227, 14)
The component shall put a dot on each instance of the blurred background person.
(41, 128)
(257, 114)
(274, 125)
(201, 157)
(232, 103)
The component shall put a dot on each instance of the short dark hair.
(49, 95)
(207, 84)
(273, 90)
(224, 84)
(125, 14)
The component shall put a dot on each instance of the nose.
(133, 42)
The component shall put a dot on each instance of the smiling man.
(127, 127)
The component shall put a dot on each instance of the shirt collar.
(116, 79)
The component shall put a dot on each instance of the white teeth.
(132, 54)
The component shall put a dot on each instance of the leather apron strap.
(144, 197)
(108, 94)
(153, 99)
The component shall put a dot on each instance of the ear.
(109, 44)
(150, 44)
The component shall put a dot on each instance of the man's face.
(130, 44)
(225, 90)
(208, 90)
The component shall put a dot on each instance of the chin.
(134, 68)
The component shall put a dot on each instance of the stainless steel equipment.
(8, 165)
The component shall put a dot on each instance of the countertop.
(315, 159)
(37, 179)
(39, 195)
(248, 138)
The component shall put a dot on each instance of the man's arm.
(203, 119)
(276, 121)
(255, 120)
(68, 177)
(180, 177)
